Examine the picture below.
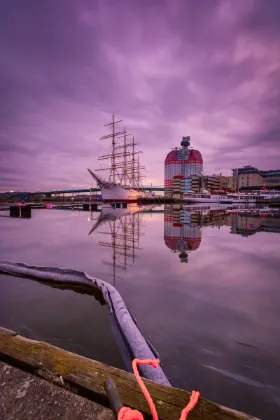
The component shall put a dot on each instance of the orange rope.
(126, 413)
(192, 403)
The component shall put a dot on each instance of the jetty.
(41, 381)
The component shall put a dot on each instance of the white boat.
(268, 194)
(206, 197)
(124, 179)
(112, 192)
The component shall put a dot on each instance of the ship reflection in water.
(183, 224)
(123, 229)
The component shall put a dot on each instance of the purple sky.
(205, 68)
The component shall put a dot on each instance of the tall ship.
(124, 169)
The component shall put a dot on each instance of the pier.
(42, 381)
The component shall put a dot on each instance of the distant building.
(179, 166)
(249, 177)
(227, 183)
(211, 183)
(205, 182)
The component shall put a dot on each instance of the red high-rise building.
(182, 162)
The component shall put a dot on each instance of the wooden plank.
(87, 378)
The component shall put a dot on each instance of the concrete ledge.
(26, 396)
(86, 377)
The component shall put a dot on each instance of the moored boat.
(113, 192)
(207, 197)
(124, 184)
(265, 194)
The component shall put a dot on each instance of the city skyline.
(208, 70)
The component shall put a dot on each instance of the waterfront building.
(251, 178)
(197, 183)
(227, 183)
(205, 182)
(179, 166)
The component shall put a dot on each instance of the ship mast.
(133, 164)
(138, 176)
(124, 167)
(124, 159)
(128, 167)
(113, 156)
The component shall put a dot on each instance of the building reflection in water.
(182, 224)
(122, 227)
(247, 223)
(180, 233)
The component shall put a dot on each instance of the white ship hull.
(112, 192)
(118, 193)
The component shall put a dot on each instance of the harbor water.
(204, 287)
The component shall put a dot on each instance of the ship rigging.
(125, 169)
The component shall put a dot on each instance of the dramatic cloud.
(169, 68)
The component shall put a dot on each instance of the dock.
(42, 381)
(89, 203)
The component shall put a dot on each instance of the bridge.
(86, 190)
(72, 191)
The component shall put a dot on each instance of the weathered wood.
(87, 377)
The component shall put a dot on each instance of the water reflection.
(183, 224)
(182, 228)
(182, 231)
(123, 233)
(215, 324)
(247, 223)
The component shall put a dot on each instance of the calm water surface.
(204, 288)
